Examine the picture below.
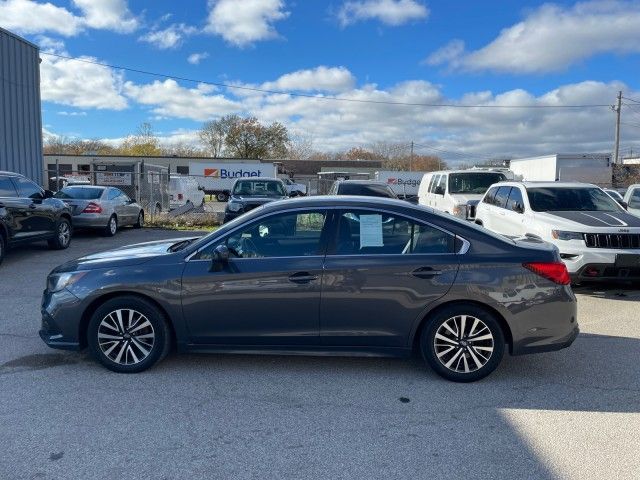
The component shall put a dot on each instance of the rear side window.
(502, 195)
(515, 202)
(27, 189)
(490, 196)
(6, 187)
(113, 194)
(362, 232)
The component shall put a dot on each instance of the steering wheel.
(234, 252)
(247, 248)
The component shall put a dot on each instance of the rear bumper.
(549, 345)
(89, 220)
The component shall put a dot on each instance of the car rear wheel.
(463, 343)
(128, 335)
(112, 226)
(222, 197)
(62, 237)
(140, 222)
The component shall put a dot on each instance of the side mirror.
(220, 258)
(623, 204)
(439, 190)
(47, 194)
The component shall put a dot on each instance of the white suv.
(632, 197)
(596, 237)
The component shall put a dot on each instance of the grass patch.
(197, 221)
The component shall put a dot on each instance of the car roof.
(10, 174)
(259, 179)
(440, 172)
(83, 186)
(345, 200)
(362, 182)
(547, 184)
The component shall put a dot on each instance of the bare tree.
(300, 147)
(214, 133)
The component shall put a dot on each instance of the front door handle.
(302, 277)
(426, 272)
(32, 206)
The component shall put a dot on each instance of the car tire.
(112, 226)
(462, 342)
(62, 238)
(3, 248)
(140, 222)
(222, 197)
(128, 334)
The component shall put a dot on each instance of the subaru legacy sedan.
(333, 275)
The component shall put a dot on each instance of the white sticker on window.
(371, 231)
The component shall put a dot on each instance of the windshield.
(476, 182)
(259, 188)
(80, 193)
(552, 199)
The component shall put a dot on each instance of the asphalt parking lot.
(568, 414)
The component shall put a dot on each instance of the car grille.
(612, 240)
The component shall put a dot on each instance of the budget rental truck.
(216, 178)
(404, 184)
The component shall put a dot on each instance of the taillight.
(92, 208)
(180, 196)
(554, 271)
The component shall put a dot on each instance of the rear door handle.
(426, 272)
(302, 277)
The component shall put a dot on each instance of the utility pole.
(411, 158)
(616, 148)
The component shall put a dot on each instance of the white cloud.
(196, 58)
(170, 99)
(72, 114)
(330, 79)
(245, 23)
(450, 54)
(389, 12)
(78, 84)
(27, 16)
(554, 37)
(107, 15)
(170, 37)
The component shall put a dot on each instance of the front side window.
(285, 235)
(434, 183)
(502, 195)
(490, 196)
(259, 188)
(549, 199)
(515, 202)
(634, 199)
(370, 233)
(113, 193)
(477, 182)
(6, 188)
(27, 189)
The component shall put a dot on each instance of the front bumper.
(61, 320)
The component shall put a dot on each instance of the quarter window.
(370, 233)
(296, 234)
(6, 187)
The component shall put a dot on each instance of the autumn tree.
(142, 144)
(74, 146)
(248, 138)
(213, 134)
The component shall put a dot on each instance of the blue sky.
(464, 52)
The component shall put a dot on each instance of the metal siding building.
(20, 110)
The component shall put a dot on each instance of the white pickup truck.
(294, 189)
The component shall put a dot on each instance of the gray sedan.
(106, 208)
(319, 275)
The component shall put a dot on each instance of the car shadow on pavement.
(614, 291)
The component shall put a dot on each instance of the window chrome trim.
(463, 250)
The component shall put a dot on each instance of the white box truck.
(404, 184)
(217, 177)
(586, 168)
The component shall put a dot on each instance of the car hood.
(467, 198)
(594, 220)
(123, 256)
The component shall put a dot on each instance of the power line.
(631, 124)
(330, 98)
(450, 152)
(631, 99)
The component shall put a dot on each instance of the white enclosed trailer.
(403, 183)
(587, 168)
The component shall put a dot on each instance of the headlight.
(562, 235)
(234, 207)
(460, 211)
(59, 281)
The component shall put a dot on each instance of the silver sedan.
(106, 208)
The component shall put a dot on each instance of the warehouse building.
(20, 110)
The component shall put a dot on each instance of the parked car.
(105, 208)
(249, 193)
(367, 188)
(323, 275)
(183, 190)
(457, 191)
(632, 199)
(294, 189)
(28, 213)
(596, 237)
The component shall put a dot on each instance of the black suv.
(366, 188)
(251, 192)
(28, 214)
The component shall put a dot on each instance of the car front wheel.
(62, 236)
(128, 335)
(463, 343)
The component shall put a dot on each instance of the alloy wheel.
(113, 225)
(126, 336)
(463, 344)
(64, 234)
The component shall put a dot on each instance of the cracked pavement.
(568, 414)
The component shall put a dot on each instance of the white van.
(183, 190)
(456, 191)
